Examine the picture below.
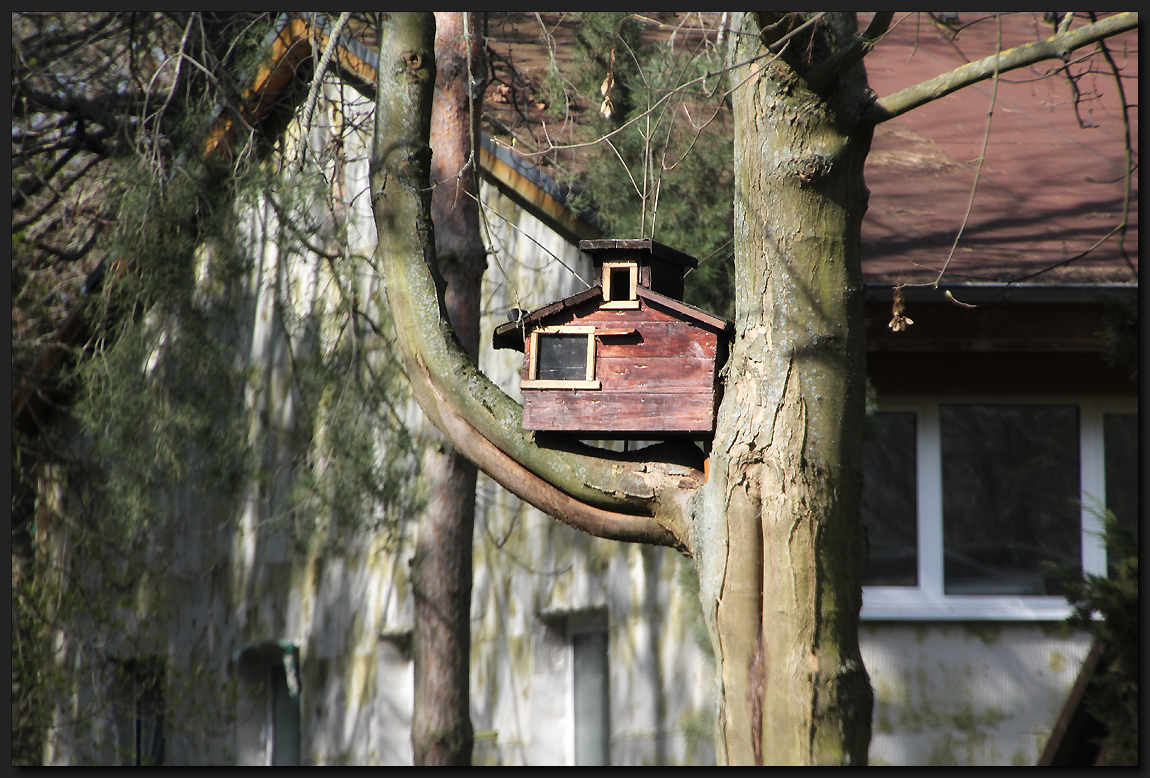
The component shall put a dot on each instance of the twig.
(1129, 151)
(981, 158)
(317, 81)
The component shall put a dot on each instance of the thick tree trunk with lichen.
(780, 543)
(441, 731)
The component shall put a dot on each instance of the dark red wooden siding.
(657, 373)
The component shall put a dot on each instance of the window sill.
(549, 384)
(905, 604)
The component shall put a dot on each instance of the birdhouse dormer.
(622, 266)
(627, 358)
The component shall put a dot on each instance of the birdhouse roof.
(513, 334)
(652, 247)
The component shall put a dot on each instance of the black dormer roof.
(661, 268)
(653, 248)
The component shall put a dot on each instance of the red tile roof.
(1049, 188)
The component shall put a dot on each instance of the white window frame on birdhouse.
(587, 382)
(616, 295)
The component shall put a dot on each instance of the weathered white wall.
(967, 693)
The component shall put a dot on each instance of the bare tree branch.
(1054, 47)
(847, 56)
(981, 157)
(316, 81)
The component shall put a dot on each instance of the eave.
(513, 334)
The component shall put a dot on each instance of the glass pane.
(1120, 431)
(285, 713)
(561, 357)
(1010, 488)
(137, 698)
(890, 499)
(150, 716)
(592, 732)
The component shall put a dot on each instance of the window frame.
(582, 623)
(589, 382)
(260, 727)
(611, 298)
(139, 706)
(928, 600)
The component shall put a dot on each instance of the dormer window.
(620, 280)
(562, 357)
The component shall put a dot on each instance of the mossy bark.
(780, 541)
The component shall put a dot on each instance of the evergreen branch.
(654, 107)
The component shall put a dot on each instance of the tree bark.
(776, 530)
(782, 560)
(441, 731)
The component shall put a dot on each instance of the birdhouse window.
(562, 358)
(620, 280)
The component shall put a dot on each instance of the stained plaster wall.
(231, 577)
(227, 573)
(967, 693)
(537, 580)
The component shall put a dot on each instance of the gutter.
(983, 293)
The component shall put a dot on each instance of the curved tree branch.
(604, 496)
(1054, 47)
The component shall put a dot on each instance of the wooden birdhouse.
(627, 358)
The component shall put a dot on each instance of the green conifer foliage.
(1107, 607)
(665, 173)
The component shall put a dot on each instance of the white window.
(268, 725)
(138, 710)
(969, 505)
(590, 686)
(562, 357)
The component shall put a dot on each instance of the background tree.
(775, 530)
(441, 731)
(102, 105)
(666, 167)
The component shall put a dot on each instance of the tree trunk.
(441, 731)
(780, 542)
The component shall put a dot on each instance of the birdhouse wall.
(656, 374)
